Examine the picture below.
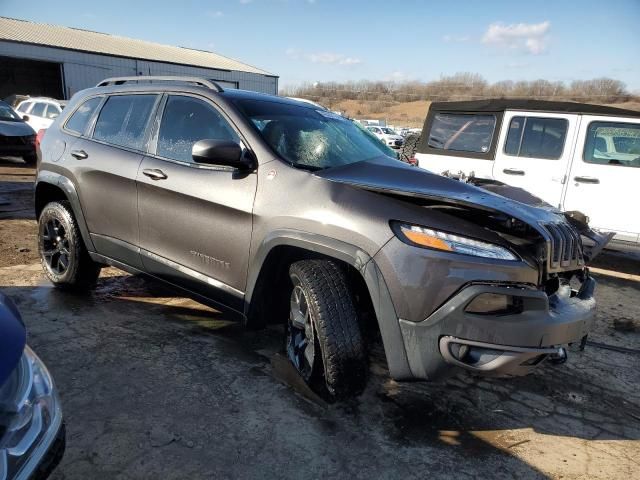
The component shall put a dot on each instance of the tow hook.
(560, 357)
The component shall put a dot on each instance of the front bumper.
(498, 345)
(33, 435)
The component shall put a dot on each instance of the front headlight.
(29, 416)
(449, 242)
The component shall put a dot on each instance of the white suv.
(573, 156)
(387, 136)
(40, 112)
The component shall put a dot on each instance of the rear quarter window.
(77, 123)
(462, 132)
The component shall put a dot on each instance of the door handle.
(513, 171)
(587, 179)
(154, 173)
(79, 154)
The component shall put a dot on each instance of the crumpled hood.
(15, 129)
(13, 337)
(399, 178)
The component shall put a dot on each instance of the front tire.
(63, 255)
(324, 342)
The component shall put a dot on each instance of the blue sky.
(322, 40)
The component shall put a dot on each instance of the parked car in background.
(39, 112)
(32, 434)
(387, 136)
(280, 212)
(17, 138)
(573, 156)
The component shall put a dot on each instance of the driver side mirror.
(222, 152)
(25, 118)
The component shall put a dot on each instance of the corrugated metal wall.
(83, 70)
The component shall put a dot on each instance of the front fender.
(363, 263)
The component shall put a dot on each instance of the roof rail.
(203, 82)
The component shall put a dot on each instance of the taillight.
(413, 161)
(40, 136)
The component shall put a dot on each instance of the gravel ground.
(155, 385)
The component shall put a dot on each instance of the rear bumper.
(498, 345)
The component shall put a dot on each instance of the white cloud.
(528, 37)
(456, 38)
(323, 57)
(215, 14)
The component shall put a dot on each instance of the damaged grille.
(564, 247)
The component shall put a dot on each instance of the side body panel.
(199, 218)
(109, 197)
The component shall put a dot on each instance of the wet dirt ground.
(155, 385)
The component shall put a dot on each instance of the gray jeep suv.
(280, 211)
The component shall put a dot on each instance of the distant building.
(56, 61)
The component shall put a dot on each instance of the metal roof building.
(56, 61)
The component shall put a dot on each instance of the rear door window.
(123, 120)
(536, 137)
(462, 132)
(38, 109)
(613, 143)
(80, 118)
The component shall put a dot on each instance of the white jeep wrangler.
(573, 156)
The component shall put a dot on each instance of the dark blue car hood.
(13, 337)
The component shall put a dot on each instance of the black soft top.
(501, 104)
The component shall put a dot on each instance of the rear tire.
(324, 341)
(63, 255)
(410, 147)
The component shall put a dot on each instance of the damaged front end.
(490, 321)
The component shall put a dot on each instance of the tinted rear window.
(536, 137)
(123, 119)
(462, 132)
(78, 121)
